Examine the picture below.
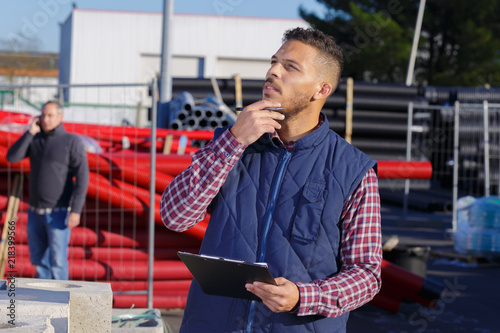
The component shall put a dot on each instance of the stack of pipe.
(112, 240)
(102, 138)
(380, 109)
(186, 113)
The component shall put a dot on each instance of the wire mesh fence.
(479, 149)
(120, 225)
(463, 144)
(430, 138)
(476, 186)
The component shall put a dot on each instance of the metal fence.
(115, 241)
(478, 149)
(463, 144)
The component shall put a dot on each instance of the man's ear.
(325, 89)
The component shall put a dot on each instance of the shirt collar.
(277, 141)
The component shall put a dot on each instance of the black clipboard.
(225, 277)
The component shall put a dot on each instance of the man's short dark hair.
(56, 103)
(332, 58)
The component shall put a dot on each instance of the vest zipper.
(272, 204)
(267, 225)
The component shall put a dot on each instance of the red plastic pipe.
(127, 238)
(197, 231)
(106, 130)
(6, 185)
(412, 283)
(116, 270)
(9, 117)
(105, 191)
(21, 166)
(386, 301)
(127, 172)
(159, 285)
(400, 291)
(171, 164)
(404, 170)
(23, 203)
(8, 138)
(104, 220)
(131, 199)
(113, 253)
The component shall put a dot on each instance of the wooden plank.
(10, 220)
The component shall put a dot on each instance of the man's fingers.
(252, 123)
(270, 114)
(281, 298)
(270, 118)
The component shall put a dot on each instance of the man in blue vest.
(284, 189)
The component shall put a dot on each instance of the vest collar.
(311, 140)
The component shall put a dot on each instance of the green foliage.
(459, 44)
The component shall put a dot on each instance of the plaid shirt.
(185, 201)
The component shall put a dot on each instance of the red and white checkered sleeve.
(359, 279)
(185, 200)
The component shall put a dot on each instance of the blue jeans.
(48, 240)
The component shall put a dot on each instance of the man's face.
(50, 118)
(292, 79)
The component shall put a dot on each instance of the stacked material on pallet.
(478, 226)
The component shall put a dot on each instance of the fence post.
(152, 192)
(408, 157)
(455, 165)
(486, 136)
(61, 95)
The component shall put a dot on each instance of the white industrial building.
(99, 46)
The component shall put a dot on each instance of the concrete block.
(28, 324)
(136, 321)
(90, 303)
(18, 302)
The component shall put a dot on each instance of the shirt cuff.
(227, 148)
(314, 301)
(309, 299)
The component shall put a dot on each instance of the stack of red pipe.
(120, 138)
(111, 242)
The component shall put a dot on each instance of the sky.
(36, 22)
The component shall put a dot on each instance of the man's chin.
(270, 97)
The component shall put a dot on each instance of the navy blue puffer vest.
(282, 208)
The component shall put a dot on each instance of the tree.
(463, 43)
(19, 58)
(459, 44)
(19, 42)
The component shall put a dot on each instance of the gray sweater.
(55, 158)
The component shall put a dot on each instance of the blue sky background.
(40, 19)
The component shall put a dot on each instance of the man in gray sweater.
(56, 198)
